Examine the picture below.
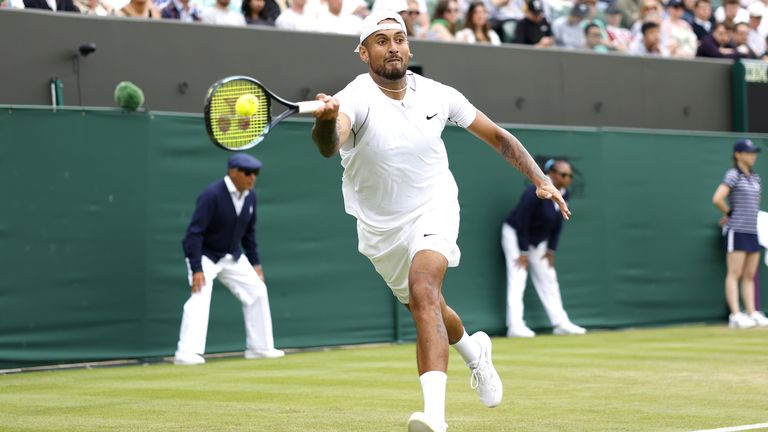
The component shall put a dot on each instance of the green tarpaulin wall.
(95, 203)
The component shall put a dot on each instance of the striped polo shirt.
(744, 200)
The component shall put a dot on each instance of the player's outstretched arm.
(331, 128)
(513, 151)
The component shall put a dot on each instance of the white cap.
(756, 9)
(371, 24)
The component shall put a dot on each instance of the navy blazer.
(61, 5)
(216, 230)
(536, 220)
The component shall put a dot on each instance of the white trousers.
(543, 276)
(242, 280)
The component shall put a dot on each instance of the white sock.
(433, 389)
(467, 348)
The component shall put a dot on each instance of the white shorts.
(392, 251)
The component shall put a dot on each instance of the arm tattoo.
(326, 136)
(517, 156)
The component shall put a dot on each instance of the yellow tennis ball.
(247, 105)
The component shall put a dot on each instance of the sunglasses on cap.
(249, 172)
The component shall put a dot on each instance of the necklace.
(394, 91)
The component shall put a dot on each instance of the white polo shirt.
(395, 162)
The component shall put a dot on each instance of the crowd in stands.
(664, 28)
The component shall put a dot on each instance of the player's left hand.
(549, 191)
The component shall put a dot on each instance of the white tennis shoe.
(520, 332)
(568, 328)
(270, 353)
(740, 320)
(484, 378)
(420, 422)
(759, 318)
(187, 358)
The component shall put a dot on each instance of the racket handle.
(309, 106)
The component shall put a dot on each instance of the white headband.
(371, 24)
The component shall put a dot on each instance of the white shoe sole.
(250, 355)
(419, 422)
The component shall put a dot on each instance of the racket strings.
(228, 127)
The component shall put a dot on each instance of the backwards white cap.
(371, 24)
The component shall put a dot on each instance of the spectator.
(413, 19)
(477, 28)
(223, 221)
(94, 7)
(630, 11)
(756, 39)
(419, 21)
(335, 21)
(764, 23)
(12, 4)
(256, 12)
(529, 238)
(221, 14)
(444, 21)
(649, 42)
(676, 33)
(741, 187)
(717, 44)
(182, 10)
(620, 38)
(51, 5)
(593, 38)
(650, 12)
(505, 14)
(702, 19)
(688, 7)
(359, 8)
(740, 41)
(731, 12)
(567, 29)
(140, 9)
(294, 18)
(534, 29)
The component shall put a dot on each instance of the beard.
(391, 73)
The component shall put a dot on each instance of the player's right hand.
(331, 109)
(198, 281)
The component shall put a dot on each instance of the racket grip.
(309, 106)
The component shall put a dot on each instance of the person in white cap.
(756, 39)
(386, 125)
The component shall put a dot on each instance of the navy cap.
(580, 10)
(745, 146)
(534, 6)
(244, 161)
(674, 3)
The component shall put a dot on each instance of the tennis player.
(387, 126)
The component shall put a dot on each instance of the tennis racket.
(231, 131)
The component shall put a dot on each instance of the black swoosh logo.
(426, 235)
(430, 117)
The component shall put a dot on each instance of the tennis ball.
(247, 105)
(129, 96)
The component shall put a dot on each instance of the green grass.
(666, 379)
